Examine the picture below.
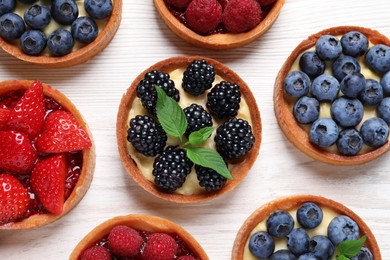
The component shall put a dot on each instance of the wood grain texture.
(97, 86)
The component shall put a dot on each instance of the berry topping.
(209, 179)
(33, 42)
(98, 9)
(96, 253)
(4, 115)
(37, 16)
(261, 245)
(321, 247)
(350, 142)
(11, 26)
(372, 94)
(324, 132)
(197, 118)
(311, 64)
(7, 6)
(347, 112)
(64, 11)
(345, 65)
(241, 15)
(297, 84)
(298, 241)
(266, 2)
(124, 241)
(280, 224)
(354, 44)
(160, 246)
(374, 132)
(325, 88)
(282, 255)
(385, 83)
(378, 58)
(223, 101)
(306, 110)
(328, 47)
(84, 29)
(309, 215)
(364, 254)
(179, 3)
(198, 77)
(60, 42)
(383, 110)
(353, 84)
(186, 257)
(204, 16)
(342, 228)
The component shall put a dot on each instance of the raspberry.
(160, 246)
(241, 15)
(209, 179)
(223, 101)
(124, 241)
(266, 2)
(179, 3)
(204, 16)
(198, 77)
(96, 252)
(197, 118)
(186, 257)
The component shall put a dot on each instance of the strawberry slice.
(28, 114)
(62, 133)
(17, 154)
(4, 115)
(48, 182)
(14, 199)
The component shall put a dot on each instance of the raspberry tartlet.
(217, 24)
(218, 143)
(138, 237)
(306, 226)
(341, 96)
(47, 155)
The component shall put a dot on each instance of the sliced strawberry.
(28, 114)
(17, 154)
(14, 199)
(4, 115)
(48, 182)
(62, 133)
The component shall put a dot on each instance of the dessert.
(332, 115)
(215, 124)
(47, 155)
(219, 24)
(306, 226)
(139, 237)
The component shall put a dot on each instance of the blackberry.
(223, 101)
(234, 138)
(197, 118)
(171, 168)
(146, 89)
(209, 179)
(146, 135)
(198, 77)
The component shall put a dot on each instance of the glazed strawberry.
(241, 15)
(14, 198)
(17, 154)
(96, 253)
(62, 133)
(204, 16)
(48, 182)
(4, 115)
(28, 114)
(124, 241)
(160, 246)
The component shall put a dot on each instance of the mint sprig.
(350, 248)
(200, 136)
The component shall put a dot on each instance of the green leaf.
(201, 135)
(351, 248)
(342, 257)
(170, 114)
(210, 159)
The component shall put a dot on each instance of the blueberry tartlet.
(188, 129)
(331, 96)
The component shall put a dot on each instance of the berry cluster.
(347, 90)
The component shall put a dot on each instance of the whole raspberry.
(204, 16)
(160, 246)
(178, 3)
(124, 241)
(96, 252)
(266, 2)
(241, 15)
(186, 257)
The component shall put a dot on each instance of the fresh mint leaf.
(350, 248)
(342, 257)
(210, 159)
(198, 137)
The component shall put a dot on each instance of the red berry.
(179, 3)
(266, 2)
(204, 16)
(241, 15)
(4, 115)
(96, 253)
(186, 257)
(159, 246)
(124, 241)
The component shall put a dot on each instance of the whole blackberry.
(209, 179)
(234, 138)
(146, 89)
(171, 168)
(223, 101)
(197, 118)
(198, 77)
(146, 135)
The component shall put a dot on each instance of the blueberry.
(321, 247)
(378, 58)
(311, 64)
(298, 241)
(353, 84)
(33, 42)
(297, 84)
(84, 29)
(374, 132)
(28, 1)
(261, 245)
(342, 228)
(280, 223)
(383, 110)
(11, 26)
(372, 93)
(7, 6)
(347, 112)
(345, 65)
(325, 88)
(364, 254)
(283, 255)
(328, 47)
(37, 16)
(350, 142)
(308, 256)
(324, 132)
(98, 9)
(385, 83)
(354, 43)
(306, 110)
(64, 11)
(60, 42)
(309, 215)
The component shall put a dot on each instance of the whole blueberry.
(11, 26)
(385, 83)
(353, 84)
(64, 11)
(33, 42)
(27, 1)
(372, 94)
(306, 110)
(37, 16)
(261, 245)
(345, 65)
(280, 223)
(98, 9)
(342, 228)
(347, 112)
(325, 88)
(374, 132)
(60, 42)
(7, 6)
(354, 43)
(324, 132)
(298, 241)
(311, 64)
(364, 254)
(328, 47)
(309, 215)
(297, 84)
(308, 256)
(378, 58)
(383, 110)
(84, 29)
(350, 142)
(321, 247)
(283, 254)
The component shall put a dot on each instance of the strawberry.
(96, 253)
(28, 114)
(4, 115)
(160, 246)
(16, 152)
(62, 133)
(14, 199)
(48, 182)
(124, 241)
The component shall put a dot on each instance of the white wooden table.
(143, 39)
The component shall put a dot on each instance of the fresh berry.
(347, 112)
(33, 42)
(11, 26)
(372, 94)
(297, 84)
(383, 110)
(124, 241)
(280, 224)
(241, 15)
(96, 253)
(84, 29)
(374, 132)
(60, 42)
(209, 179)
(321, 247)
(223, 101)
(298, 241)
(350, 142)
(197, 118)
(14, 199)
(344, 65)
(204, 16)
(283, 255)
(306, 110)
(354, 43)
(64, 11)
(7, 6)
(378, 58)
(364, 254)
(179, 3)
(324, 132)
(4, 115)
(98, 9)
(311, 64)
(309, 215)
(328, 47)
(342, 228)
(186, 257)
(37, 16)
(27, 1)
(266, 2)
(159, 246)
(385, 83)
(261, 245)
(198, 77)
(325, 88)
(62, 133)
(353, 84)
